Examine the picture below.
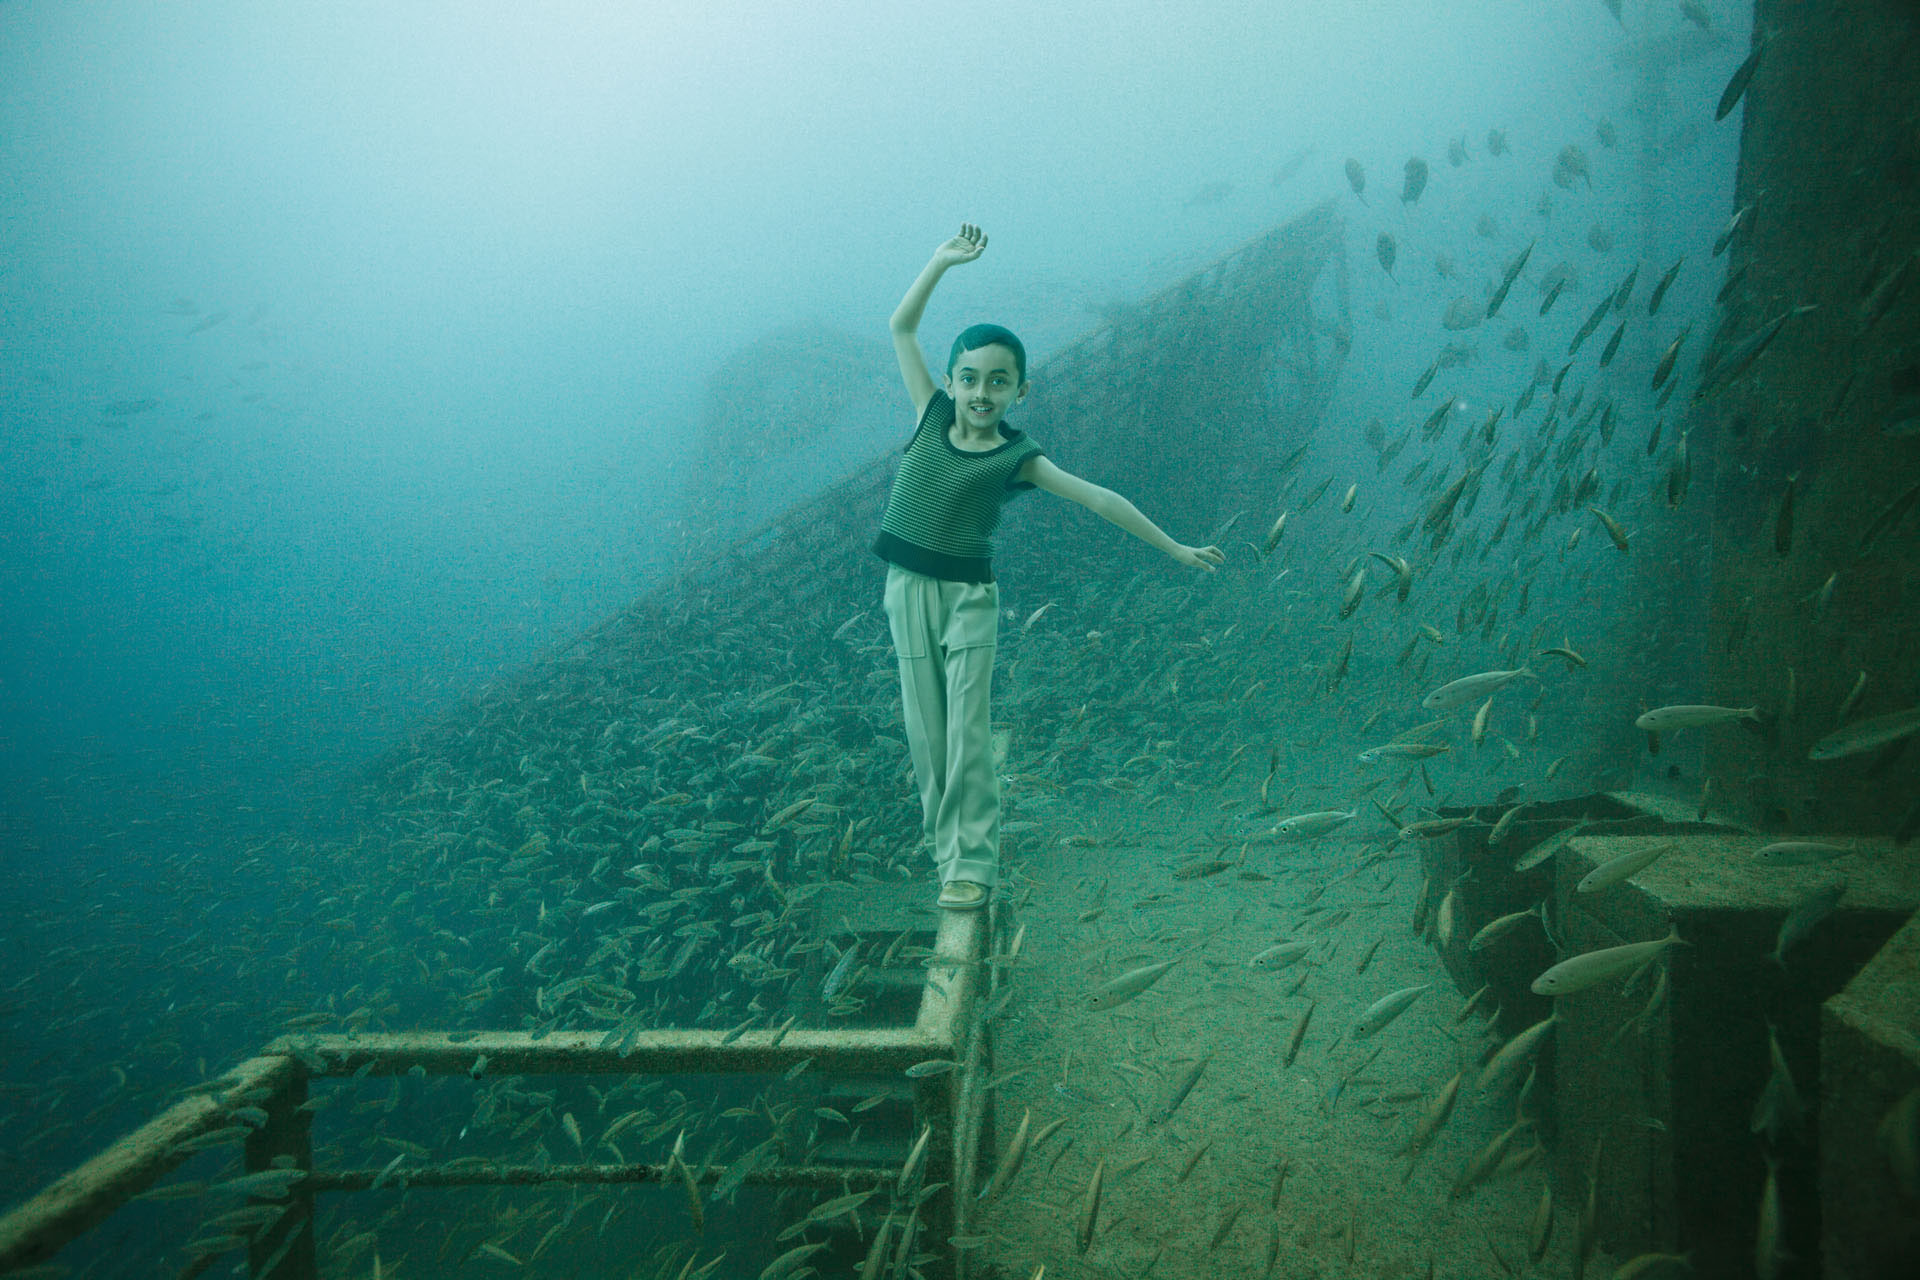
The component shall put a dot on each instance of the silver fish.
(1386, 1009)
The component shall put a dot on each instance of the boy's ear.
(1021, 394)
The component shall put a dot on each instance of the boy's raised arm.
(964, 247)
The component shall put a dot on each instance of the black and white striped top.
(946, 501)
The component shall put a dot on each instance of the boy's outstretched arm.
(965, 247)
(1109, 505)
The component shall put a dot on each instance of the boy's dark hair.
(977, 336)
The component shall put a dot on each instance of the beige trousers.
(944, 634)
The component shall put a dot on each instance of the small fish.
(1614, 870)
(1592, 322)
(1493, 930)
(1416, 180)
(1403, 751)
(1506, 280)
(1118, 991)
(1667, 719)
(1459, 693)
(842, 970)
(1089, 1209)
(1280, 955)
(1866, 735)
(1804, 917)
(1425, 379)
(1735, 362)
(1663, 370)
(1181, 1089)
(1679, 473)
(1613, 345)
(1384, 1010)
(1800, 853)
(1299, 1034)
(931, 1067)
(1514, 1054)
(1273, 535)
(1577, 973)
(1357, 179)
(1319, 823)
(1385, 249)
(1737, 84)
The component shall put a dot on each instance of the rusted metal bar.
(80, 1200)
(968, 1110)
(661, 1052)
(285, 1249)
(482, 1174)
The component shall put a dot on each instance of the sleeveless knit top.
(946, 501)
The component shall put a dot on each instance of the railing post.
(285, 1251)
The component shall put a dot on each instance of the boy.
(962, 464)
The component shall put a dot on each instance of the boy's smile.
(984, 385)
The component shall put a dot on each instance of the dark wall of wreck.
(1830, 167)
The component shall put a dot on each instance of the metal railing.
(279, 1155)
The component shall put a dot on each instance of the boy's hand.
(965, 247)
(1200, 557)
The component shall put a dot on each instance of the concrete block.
(1870, 1056)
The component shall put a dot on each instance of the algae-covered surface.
(1264, 1167)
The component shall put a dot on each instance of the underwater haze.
(358, 360)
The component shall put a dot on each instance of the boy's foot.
(962, 895)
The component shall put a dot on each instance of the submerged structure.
(1504, 861)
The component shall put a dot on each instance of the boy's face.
(984, 384)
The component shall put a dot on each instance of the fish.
(1319, 823)
(1357, 179)
(1416, 180)
(1866, 735)
(1679, 472)
(1299, 1034)
(1501, 829)
(1667, 719)
(1779, 1109)
(1356, 588)
(1511, 274)
(1009, 1167)
(1770, 1256)
(1181, 1089)
(1493, 930)
(1403, 751)
(1613, 345)
(1591, 323)
(1482, 1166)
(1385, 249)
(1280, 955)
(1384, 1010)
(1440, 514)
(1425, 379)
(1118, 991)
(789, 1263)
(1804, 916)
(1732, 228)
(1552, 294)
(1736, 362)
(1801, 853)
(1273, 535)
(1664, 369)
(1089, 1209)
(1513, 1055)
(1577, 973)
(1660, 290)
(1626, 865)
(931, 1067)
(842, 969)
(1458, 693)
(1540, 1228)
(1434, 1116)
(1612, 526)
